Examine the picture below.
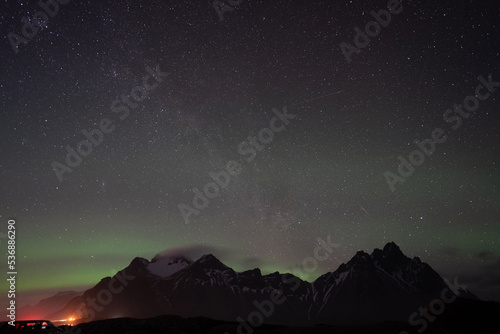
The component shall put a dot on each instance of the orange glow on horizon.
(68, 321)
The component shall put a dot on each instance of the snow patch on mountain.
(165, 267)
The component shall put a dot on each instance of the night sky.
(218, 81)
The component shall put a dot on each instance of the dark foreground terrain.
(170, 324)
(459, 318)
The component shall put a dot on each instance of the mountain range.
(385, 285)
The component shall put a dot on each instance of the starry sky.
(219, 74)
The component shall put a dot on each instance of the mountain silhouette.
(385, 285)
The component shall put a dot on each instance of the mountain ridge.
(383, 285)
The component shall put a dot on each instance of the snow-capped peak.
(167, 266)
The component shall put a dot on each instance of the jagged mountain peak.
(138, 264)
(209, 260)
(360, 257)
(362, 254)
(139, 260)
(392, 248)
(390, 257)
(252, 272)
(362, 261)
(389, 250)
(208, 257)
